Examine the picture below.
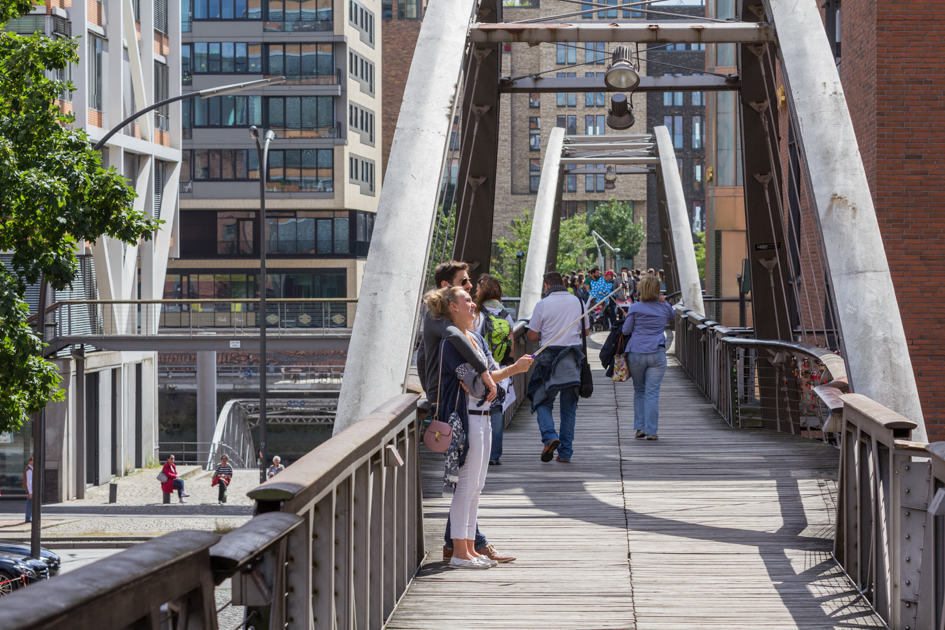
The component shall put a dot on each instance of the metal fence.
(777, 385)
(334, 542)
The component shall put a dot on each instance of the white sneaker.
(459, 563)
(182, 500)
(184, 494)
(489, 562)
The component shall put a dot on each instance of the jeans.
(472, 478)
(221, 491)
(610, 314)
(546, 421)
(647, 372)
(498, 420)
(179, 486)
(29, 509)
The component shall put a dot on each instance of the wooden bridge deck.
(709, 527)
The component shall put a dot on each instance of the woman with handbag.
(646, 354)
(171, 481)
(462, 398)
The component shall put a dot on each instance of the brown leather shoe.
(549, 451)
(447, 554)
(563, 461)
(490, 552)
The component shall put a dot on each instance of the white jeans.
(472, 477)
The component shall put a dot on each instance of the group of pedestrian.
(171, 481)
(464, 361)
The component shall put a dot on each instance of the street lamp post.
(39, 421)
(263, 153)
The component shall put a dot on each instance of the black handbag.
(587, 381)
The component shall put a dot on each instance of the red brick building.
(399, 33)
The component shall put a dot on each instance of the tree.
(699, 246)
(613, 220)
(574, 240)
(53, 195)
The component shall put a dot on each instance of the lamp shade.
(622, 75)
(620, 115)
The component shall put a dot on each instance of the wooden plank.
(709, 527)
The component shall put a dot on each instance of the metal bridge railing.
(890, 534)
(334, 542)
(100, 318)
(778, 385)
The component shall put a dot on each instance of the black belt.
(477, 412)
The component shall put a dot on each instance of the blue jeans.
(29, 509)
(647, 371)
(179, 486)
(546, 421)
(498, 420)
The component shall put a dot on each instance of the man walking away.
(28, 484)
(558, 367)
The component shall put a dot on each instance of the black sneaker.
(495, 463)
(549, 452)
(640, 434)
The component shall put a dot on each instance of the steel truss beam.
(479, 117)
(610, 160)
(768, 253)
(677, 31)
(705, 83)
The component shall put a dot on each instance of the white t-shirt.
(553, 314)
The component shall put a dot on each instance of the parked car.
(22, 551)
(18, 572)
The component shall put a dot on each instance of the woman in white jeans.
(462, 391)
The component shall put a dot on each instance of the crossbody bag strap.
(583, 328)
(439, 381)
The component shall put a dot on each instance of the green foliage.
(613, 220)
(699, 246)
(574, 240)
(441, 245)
(53, 194)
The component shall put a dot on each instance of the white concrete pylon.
(684, 255)
(877, 353)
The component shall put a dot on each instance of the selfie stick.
(568, 327)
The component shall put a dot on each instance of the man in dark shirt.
(452, 273)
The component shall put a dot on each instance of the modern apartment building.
(323, 178)
(128, 58)
(683, 114)
(402, 21)
(526, 120)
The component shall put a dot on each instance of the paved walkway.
(709, 527)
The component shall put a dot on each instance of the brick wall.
(399, 39)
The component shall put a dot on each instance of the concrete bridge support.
(206, 401)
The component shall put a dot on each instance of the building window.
(226, 111)
(297, 15)
(301, 116)
(301, 170)
(534, 133)
(567, 99)
(594, 125)
(594, 183)
(698, 99)
(534, 100)
(568, 209)
(697, 174)
(594, 52)
(226, 9)
(570, 183)
(161, 92)
(698, 217)
(697, 132)
(675, 127)
(160, 16)
(569, 124)
(534, 174)
(301, 63)
(594, 99)
(566, 54)
(95, 72)
(186, 70)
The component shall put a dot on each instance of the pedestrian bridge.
(832, 520)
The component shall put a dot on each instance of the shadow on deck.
(709, 527)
